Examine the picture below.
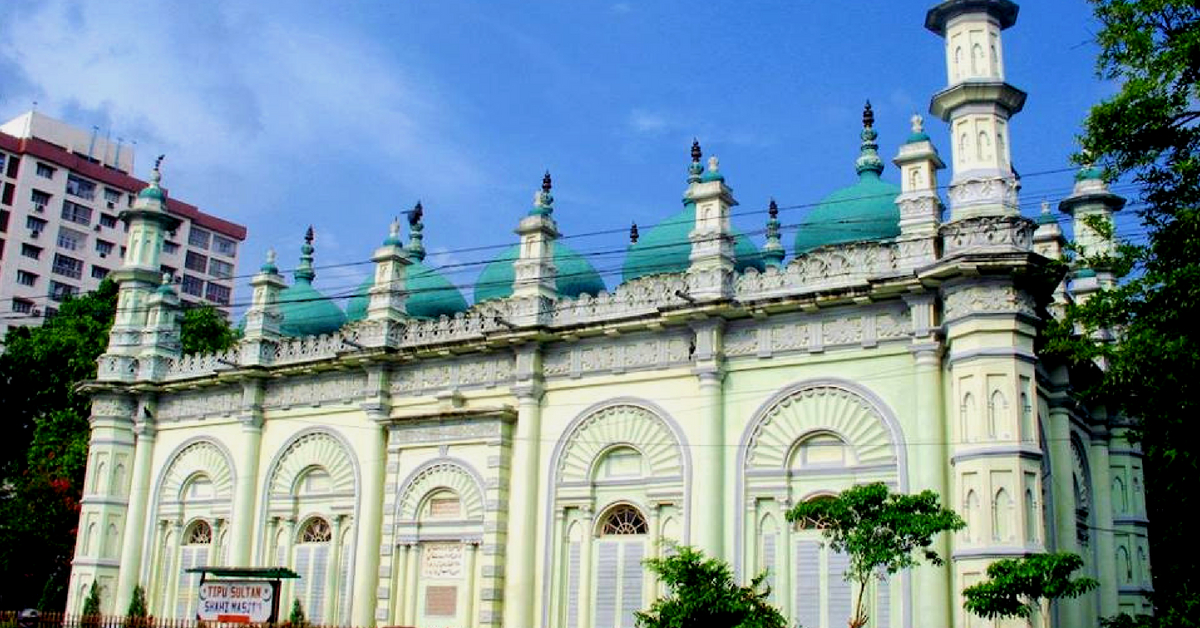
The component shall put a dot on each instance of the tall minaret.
(978, 104)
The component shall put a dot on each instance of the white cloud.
(644, 121)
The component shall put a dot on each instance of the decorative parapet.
(202, 364)
(639, 297)
(988, 234)
(824, 269)
(988, 298)
(474, 324)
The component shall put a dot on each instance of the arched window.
(971, 516)
(198, 488)
(1002, 511)
(442, 505)
(621, 462)
(1031, 518)
(958, 61)
(825, 450)
(315, 530)
(1120, 499)
(967, 417)
(976, 58)
(622, 520)
(199, 533)
(984, 144)
(1123, 561)
(193, 552)
(996, 407)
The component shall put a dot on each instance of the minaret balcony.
(999, 94)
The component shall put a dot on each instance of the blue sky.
(342, 114)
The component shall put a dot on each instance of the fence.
(9, 619)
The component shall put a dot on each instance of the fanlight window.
(199, 488)
(443, 505)
(199, 533)
(623, 520)
(622, 462)
(316, 530)
(315, 482)
(821, 450)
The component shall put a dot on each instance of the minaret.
(1092, 205)
(137, 278)
(535, 276)
(710, 274)
(978, 104)
(1049, 242)
(920, 207)
(263, 317)
(772, 251)
(160, 340)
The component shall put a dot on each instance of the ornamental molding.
(200, 458)
(211, 402)
(988, 234)
(343, 388)
(620, 425)
(441, 474)
(617, 355)
(408, 433)
(112, 407)
(478, 371)
(828, 268)
(813, 333)
(640, 297)
(988, 299)
(992, 190)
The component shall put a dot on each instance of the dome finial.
(153, 192)
(269, 266)
(305, 272)
(918, 123)
(416, 239)
(633, 233)
(156, 174)
(772, 251)
(543, 201)
(868, 158)
(695, 169)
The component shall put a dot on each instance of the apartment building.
(62, 190)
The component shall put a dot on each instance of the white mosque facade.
(422, 462)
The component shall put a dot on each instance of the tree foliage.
(1016, 585)
(296, 618)
(43, 456)
(882, 532)
(701, 592)
(1149, 132)
(91, 604)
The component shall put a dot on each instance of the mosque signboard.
(230, 595)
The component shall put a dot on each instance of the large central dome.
(864, 211)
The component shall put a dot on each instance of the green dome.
(864, 211)
(666, 248)
(576, 275)
(430, 295)
(307, 312)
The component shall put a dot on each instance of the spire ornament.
(633, 233)
(543, 201)
(695, 169)
(269, 266)
(304, 272)
(416, 237)
(772, 251)
(868, 158)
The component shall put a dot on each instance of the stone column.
(399, 582)
(244, 484)
(332, 573)
(1069, 613)
(520, 565)
(708, 492)
(410, 584)
(469, 610)
(133, 539)
(1106, 567)
(586, 587)
(370, 520)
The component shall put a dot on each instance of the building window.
(31, 251)
(4, 215)
(624, 520)
(198, 237)
(2, 160)
(224, 246)
(103, 247)
(67, 266)
(44, 171)
(170, 248)
(6, 197)
(217, 293)
(26, 278)
(60, 291)
(12, 166)
(78, 186)
(99, 272)
(199, 533)
(77, 213)
(71, 239)
(195, 261)
(219, 269)
(108, 220)
(23, 306)
(192, 285)
(168, 270)
(40, 200)
(111, 197)
(34, 223)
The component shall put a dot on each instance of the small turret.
(534, 272)
(920, 206)
(386, 298)
(710, 272)
(1091, 205)
(772, 251)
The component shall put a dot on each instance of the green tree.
(1016, 585)
(882, 532)
(1149, 132)
(44, 453)
(204, 329)
(135, 615)
(296, 618)
(91, 604)
(701, 592)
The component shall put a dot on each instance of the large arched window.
(619, 573)
(623, 520)
(311, 561)
(193, 552)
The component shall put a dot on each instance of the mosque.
(422, 461)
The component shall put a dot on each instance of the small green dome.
(307, 312)
(666, 248)
(576, 275)
(430, 295)
(1089, 173)
(864, 211)
(153, 193)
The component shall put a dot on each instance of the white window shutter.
(768, 564)
(840, 602)
(883, 608)
(606, 584)
(303, 567)
(808, 583)
(344, 583)
(573, 563)
(316, 589)
(631, 581)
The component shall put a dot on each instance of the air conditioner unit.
(96, 228)
(39, 208)
(103, 255)
(111, 205)
(34, 234)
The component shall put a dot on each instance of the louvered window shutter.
(840, 603)
(631, 581)
(883, 607)
(316, 588)
(344, 583)
(808, 583)
(183, 593)
(606, 584)
(303, 562)
(573, 564)
(768, 563)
